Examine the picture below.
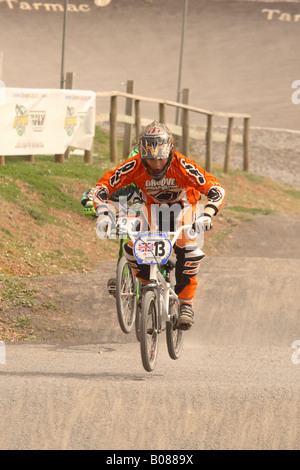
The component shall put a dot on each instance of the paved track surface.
(234, 387)
(238, 55)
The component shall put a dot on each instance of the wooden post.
(208, 142)
(2, 160)
(162, 113)
(113, 129)
(246, 143)
(59, 158)
(88, 156)
(30, 158)
(69, 83)
(127, 126)
(228, 145)
(137, 106)
(185, 123)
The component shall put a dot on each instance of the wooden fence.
(133, 118)
(185, 131)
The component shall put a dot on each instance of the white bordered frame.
(152, 248)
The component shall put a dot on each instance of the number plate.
(153, 248)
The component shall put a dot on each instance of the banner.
(45, 122)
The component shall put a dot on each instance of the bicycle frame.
(164, 292)
(157, 281)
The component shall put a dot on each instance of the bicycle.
(126, 293)
(125, 289)
(160, 305)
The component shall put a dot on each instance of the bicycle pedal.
(184, 326)
(111, 286)
(112, 291)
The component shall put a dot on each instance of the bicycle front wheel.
(174, 335)
(126, 296)
(148, 331)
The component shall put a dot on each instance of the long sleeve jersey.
(184, 183)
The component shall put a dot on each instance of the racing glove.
(105, 222)
(104, 226)
(89, 209)
(87, 203)
(203, 223)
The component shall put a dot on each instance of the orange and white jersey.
(184, 183)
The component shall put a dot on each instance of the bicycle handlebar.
(134, 235)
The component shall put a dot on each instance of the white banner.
(45, 122)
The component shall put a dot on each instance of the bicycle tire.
(174, 335)
(126, 301)
(138, 324)
(148, 331)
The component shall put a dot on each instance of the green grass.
(252, 210)
(293, 193)
(50, 182)
(14, 293)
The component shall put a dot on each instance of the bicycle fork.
(163, 291)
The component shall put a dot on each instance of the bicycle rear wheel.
(148, 331)
(173, 334)
(126, 296)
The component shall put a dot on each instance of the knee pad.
(142, 271)
(188, 260)
(128, 252)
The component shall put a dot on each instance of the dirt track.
(235, 386)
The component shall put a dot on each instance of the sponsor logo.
(166, 183)
(53, 6)
(155, 130)
(165, 190)
(214, 194)
(102, 194)
(122, 170)
(37, 119)
(275, 14)
(102, 3)
(193, 171)
(70, 121)
(21, 119)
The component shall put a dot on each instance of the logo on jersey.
(214, 194)
(102, 194)
(166, 196)
(193, 171)
(122, 170)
